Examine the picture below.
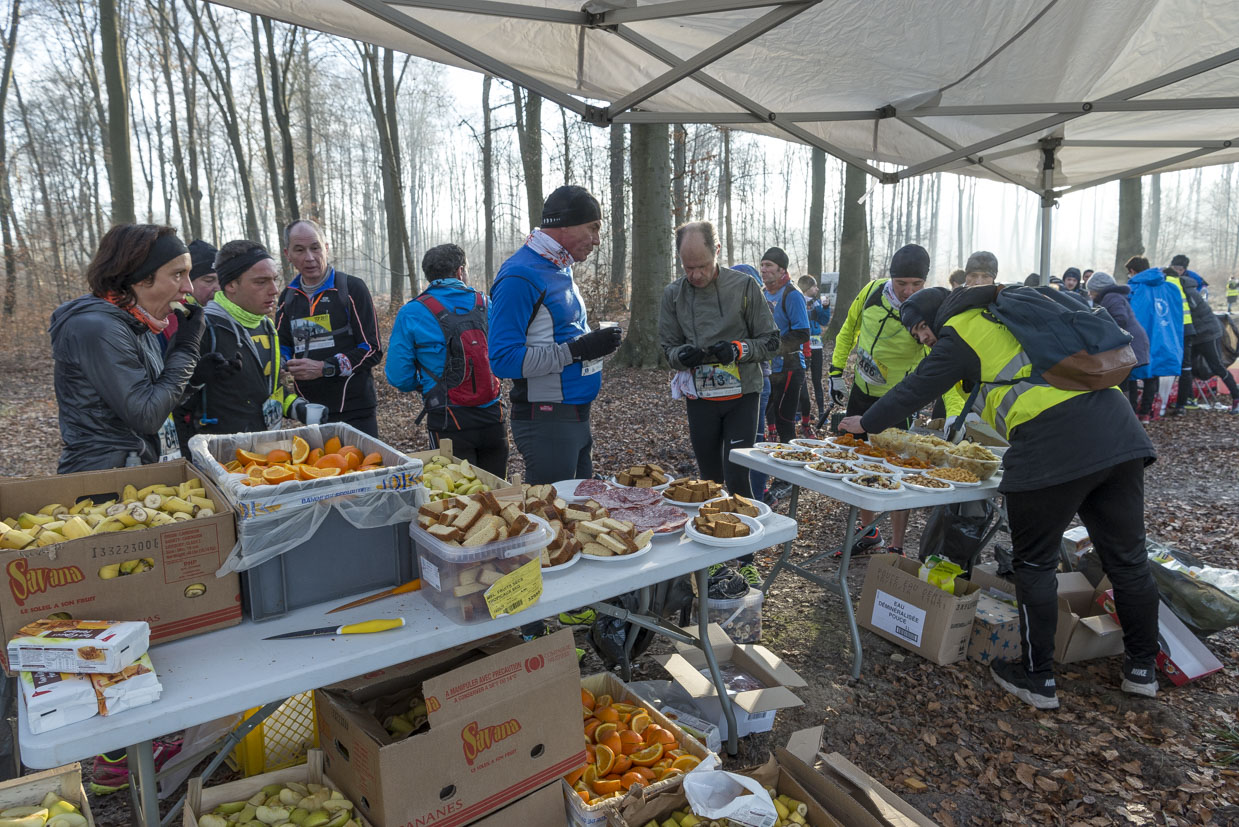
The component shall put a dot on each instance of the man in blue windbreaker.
(540, 339)
(1157, 304)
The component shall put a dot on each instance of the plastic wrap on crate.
(366, 499)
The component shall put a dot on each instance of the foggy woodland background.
(233, 124)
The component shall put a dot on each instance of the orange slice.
(375, 458)
(646, 772)
(622, 764)
(301, 450)
(639, 722)
(685, 763)
(319, 473)
(610, 740)
(587, 697)
(278, 455)
(604, 762)
(591, 724)
(332, 446)
(648, 756)
(603, 700)
(315, 455)
(584, 795)
(574, 776)
(332, 461)
(630, 741)
(246, 457)
(668, 773)
(629, 708)
(606, 786)
(234, 466)
(631, 778)
(277, 475)
(254, 470)
(659, 736)
(605, 713)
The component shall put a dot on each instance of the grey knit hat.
(1100, 281)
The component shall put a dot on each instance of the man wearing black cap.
(885, 353)
(202, 273)
(540, 339)
(982, 268)
(236, 387)
(787, 366)
(1071, 282)
(1072, 452)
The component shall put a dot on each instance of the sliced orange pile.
(624, 749)
(280, 465)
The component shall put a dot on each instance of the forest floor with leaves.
(944, 737)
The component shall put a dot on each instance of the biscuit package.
(56, 699)
(78, 646)
(135, 685)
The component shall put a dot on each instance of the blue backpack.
(1071, 346)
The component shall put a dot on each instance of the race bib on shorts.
(312, 333)
(716, 381)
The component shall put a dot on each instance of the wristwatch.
(330, 368)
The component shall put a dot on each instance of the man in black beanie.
(202, 271)
(540, 339)
(787, 365)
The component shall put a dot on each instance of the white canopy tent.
(1051, 95)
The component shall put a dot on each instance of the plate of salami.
(578, 491)
(660, 518)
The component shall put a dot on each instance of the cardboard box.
(1085, 631)
(200, 800)
(544, 808)
(755, 709)
(850, 794)
(497, 485)
(581, 814)
(65, 577)
(1181, 655)
(502, 724)
(29, 790)
(996, 627)
(895, 604)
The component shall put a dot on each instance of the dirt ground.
(945, 738)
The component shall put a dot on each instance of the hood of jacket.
(1151, 276)
(87, 305)
(1120, 289)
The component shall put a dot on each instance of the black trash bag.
(957, 532)
(608, 635)
(1203, 607)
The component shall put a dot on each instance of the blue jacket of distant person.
(1158, 306)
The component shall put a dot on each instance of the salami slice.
(628, 497)
(590, 488)
(658, 518)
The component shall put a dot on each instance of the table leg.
(845, 595)
(703, 636)
(143, 787)
(787, 547)
(630, 637)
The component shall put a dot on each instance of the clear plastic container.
(740, 617)
(455, 579)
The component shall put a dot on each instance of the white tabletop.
(231, 670)
(837, 490)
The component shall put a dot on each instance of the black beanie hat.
(1179, 261)
(776, 255)
(202, 258)
(910, 262)
(570, 206)
(1071, 273)
(922, 306)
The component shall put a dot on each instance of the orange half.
(301, 450)
(246, 457)
(332, 446)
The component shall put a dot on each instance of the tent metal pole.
(1143, 170)
(949, 144)
(1074, 107)
(1185, 144)
(676, 8)
(1047, 206)
(493, 8)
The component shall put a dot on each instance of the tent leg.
(1047, 208)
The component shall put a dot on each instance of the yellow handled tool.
(365, 627)
(405, 588)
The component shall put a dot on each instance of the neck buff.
(549, 249)
(154, 325)
(890, 294)
(251, 321)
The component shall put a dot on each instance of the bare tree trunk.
(1130, 242)
(273, 172)
(7, 217)
(49, 216)
(189, 86)
(529, 136)
(563, 113)
(726, 198)
(119, 159)
(279, 108)
(651, 244)
(817, 210)
(619, 227)
(314, 209)
(1155, 216)
(184, 198)
(853, 248)
(488, 183)
(380, 93)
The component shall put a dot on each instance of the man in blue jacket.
(540, 339)
(792, 318)
(461, 395)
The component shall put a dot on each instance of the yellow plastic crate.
(280, 741)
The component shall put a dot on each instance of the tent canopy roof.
(1116, 87)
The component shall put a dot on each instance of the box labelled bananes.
(175, 590)
(504, 721)
(897, 605)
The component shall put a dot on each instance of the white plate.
(618, 558)
(926, 488)
(771, 447)
(838, 449)
(850, 481)
(795, 462)
(962, 484)
(755, 531)
(879, 467)
(682, 504)
(662, 487)
(812, 443)
(564, 489)
(847, 473)
(763, 510)
(571, 560)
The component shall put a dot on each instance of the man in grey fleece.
(716, 327)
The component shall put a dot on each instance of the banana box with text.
(163, 574)
(897, 605)
(500, 722)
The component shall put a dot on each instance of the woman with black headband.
(114, 387)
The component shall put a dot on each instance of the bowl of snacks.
(892, 440)
(831, 469)
(955, 476)
(835, 453)
(908, 463)
(925, 483)
(927, 447)
(801, 456)
(975, 458)
(873, 467)
(875, 483)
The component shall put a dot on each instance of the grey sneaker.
(1036, 691)
(1139, 680)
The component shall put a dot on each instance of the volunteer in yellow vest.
(1232, 293)
(884, 354)
(1072, 452)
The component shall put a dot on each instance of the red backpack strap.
(432, 304)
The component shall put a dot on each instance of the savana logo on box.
(477, 739)
(25, 581)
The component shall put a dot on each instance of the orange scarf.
(156, 326)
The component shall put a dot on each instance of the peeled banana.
(137, 509)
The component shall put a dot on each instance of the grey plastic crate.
(339, 561)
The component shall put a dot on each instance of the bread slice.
(520, 525)
(446, 533)
(597, 550)
(486, 531)
(469, 516)
(643, 539)
(617, 546)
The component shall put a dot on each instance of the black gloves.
(190, 326)
(690, 356)
(213, 367)
(725, 352)
(596, 344)
(838, 390)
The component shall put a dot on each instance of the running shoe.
(1038, 691)
(1139, 680)
(866, 543)
(579, 617)
(751, 576)
(111, 775)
